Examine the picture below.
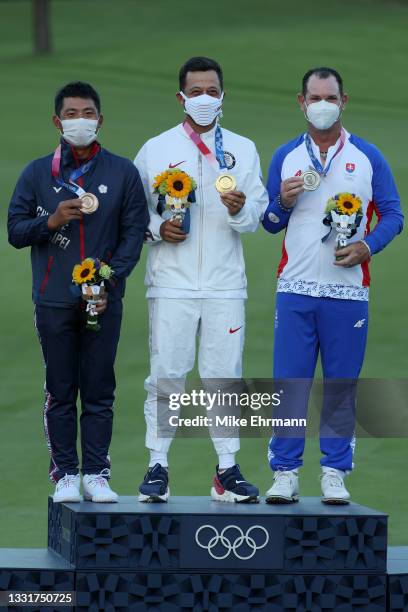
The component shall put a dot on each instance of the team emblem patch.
(230, 160)
(273, 218)
(350, 167)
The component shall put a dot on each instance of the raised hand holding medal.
(290, 189)
(225, 183)
(89, 203)
(313, 175)
(234, 201)
(311, 179)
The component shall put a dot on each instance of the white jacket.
(210, 262)
(307, 264)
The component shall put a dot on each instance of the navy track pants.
(78, 361)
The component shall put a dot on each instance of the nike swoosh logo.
(240, 481)
(175, 165)
(152, 481)
(57, 189)
(232, 331)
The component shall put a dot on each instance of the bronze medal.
(90, 203)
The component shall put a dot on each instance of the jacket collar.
(69, 158)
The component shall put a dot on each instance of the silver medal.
(311, 180)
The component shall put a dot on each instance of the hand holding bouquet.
(90, 275)
(344, 214)
(176, 192)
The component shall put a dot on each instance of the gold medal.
(90, 203)
(225, 183)
(311, 180)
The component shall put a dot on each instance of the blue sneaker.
(155, 485)
(231, 486)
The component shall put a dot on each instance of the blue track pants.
(304, 327)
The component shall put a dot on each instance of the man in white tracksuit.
(196, 283)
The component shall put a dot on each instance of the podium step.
(37, 569)
(168, 592)
(397, 568)
(200, 535)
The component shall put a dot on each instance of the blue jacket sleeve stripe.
(386, 200)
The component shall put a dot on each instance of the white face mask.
(322, 114)
(203, 109)
(80, 132)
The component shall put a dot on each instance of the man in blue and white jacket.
(44, 214)
(322, 295)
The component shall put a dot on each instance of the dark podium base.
(239, 592)
(196, 533)
(196, 554)
(397, 568)
(35, 569)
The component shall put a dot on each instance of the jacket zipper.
(201, 230)
(81, 240)
(80, 182)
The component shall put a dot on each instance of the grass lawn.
(131, 52)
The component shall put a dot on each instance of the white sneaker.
(97, 489)
(285, 489)
(333, 489)
(67, 489)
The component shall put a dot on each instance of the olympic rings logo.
(232, 545)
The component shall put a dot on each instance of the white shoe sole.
(233, 498)
(68, 499)
(335, 501)
(154, 499)
(101, 499)
(281, 499)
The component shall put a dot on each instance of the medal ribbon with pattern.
(76, 174)
(316, 163)
(217, 161)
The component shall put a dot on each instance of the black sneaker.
(231, 486)
(155, 485)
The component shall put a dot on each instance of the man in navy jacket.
(45, 213)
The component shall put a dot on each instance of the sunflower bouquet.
(176, 191)
(90, 275)
(344, 213)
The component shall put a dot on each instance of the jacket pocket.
(47, 274)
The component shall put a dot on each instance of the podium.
(398, 578)
(196, 554)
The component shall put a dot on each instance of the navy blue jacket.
(113, 233)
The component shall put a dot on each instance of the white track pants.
(174, 325)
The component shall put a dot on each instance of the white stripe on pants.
(173, 327)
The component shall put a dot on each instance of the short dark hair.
(76, 89)
(322, 73)
(199, 64)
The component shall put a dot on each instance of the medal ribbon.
(316, 163)
(76, 174)
(217, 161)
